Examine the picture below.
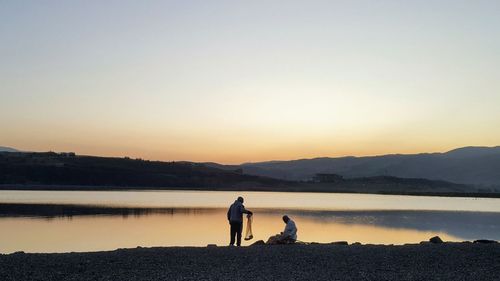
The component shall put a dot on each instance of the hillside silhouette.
(67, 171)
(469, 165)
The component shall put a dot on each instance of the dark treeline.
(68, 169)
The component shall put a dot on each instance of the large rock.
(436, 240)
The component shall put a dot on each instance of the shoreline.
(428, 261)
(237, 189)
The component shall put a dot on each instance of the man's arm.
(229, 214)
(287, 232)
(245, 211)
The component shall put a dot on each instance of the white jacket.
(290, 230)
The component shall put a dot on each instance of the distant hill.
(7, 149)
(467, 165)
(68, 169)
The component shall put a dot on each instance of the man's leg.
(285, 240)
(238, 234)
(282, 239)
(232, 233)
(273, 240)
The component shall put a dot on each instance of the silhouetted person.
(289, 235)
(235, 218)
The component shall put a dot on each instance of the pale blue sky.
(235, 81)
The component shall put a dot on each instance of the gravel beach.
(447, 261)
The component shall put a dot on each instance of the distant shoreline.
(310, 189)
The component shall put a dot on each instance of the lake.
(64, 221)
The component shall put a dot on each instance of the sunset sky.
(239, 81)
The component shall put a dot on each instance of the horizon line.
(251, 162)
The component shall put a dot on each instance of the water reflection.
(51, 211)
(270, 200)
(465, 225)
(62, 228)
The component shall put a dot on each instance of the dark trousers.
(236, 228)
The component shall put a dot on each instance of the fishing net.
(248, 233)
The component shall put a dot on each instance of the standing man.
(235, 218)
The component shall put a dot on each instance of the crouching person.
(288, 236)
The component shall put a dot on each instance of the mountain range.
(468, 165)
(473, 166)
(68, 171)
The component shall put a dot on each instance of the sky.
(242, 81)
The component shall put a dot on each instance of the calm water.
(62, 221)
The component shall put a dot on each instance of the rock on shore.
(447, 261)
